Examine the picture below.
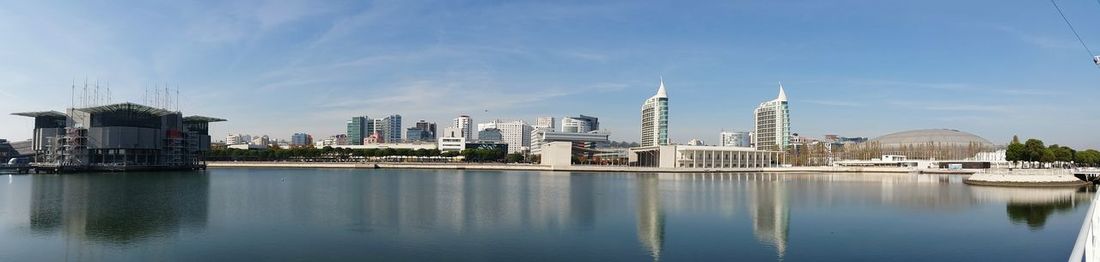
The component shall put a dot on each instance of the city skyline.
(977, 71)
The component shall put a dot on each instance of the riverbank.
(579, 168)
(1026, 178)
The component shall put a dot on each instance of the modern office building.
(465, 125)
(580, 124)
(517, 134)
(415, 134)
(391, 128)
(772, 124)
(655, 118)
(119, 137)
(738, 139)
(449, 143)
(581, 144)
(489, 135)
(301, 139)
(237, 139)
(358, 129)
(544, 122)
(427, 131)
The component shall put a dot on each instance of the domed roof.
(946, 137)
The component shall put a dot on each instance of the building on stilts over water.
(119, 137)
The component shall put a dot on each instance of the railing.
(1085, 247)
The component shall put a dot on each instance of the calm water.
(428, 215)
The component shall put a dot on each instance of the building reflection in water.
(118, 208)
(651, 219)
(1033, 206)
(770, 210)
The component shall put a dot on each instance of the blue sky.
(854, 68)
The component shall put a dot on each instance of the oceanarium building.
(119, 137)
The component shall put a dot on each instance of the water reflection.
(117, 208)
(770, 212)
(651, 219)
(1033, 206)
(398, 214)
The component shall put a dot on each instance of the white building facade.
(738, 139)
(464, 124)
(517, 134)
(580, 124)
(545, 122)
(772, 124)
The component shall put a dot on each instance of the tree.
(1034, 150)
(1062, 153)
(514, 158)
(1015, 151)
(1088, 157)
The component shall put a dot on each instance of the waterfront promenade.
(533, 167)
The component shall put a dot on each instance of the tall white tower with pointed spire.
(655, 118)
(773, 124)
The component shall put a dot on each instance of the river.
(455, 215)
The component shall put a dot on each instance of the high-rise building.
(773, 124)
(358, 129)
(655, 118)
(580, 124)
(545, 122)
(465, 125)
(428, 130)
(391, 129)
(490, 135)
(301, 139)
(517, 134)
(414, 134)
(738, 139)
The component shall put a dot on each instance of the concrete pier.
(1026, 177)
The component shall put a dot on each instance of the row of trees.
(1033, 150)
(330, 154)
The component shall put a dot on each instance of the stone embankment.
(1025, 177)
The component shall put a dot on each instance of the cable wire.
(1091, 54)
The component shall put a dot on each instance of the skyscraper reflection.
(770, 211)
(651, 220)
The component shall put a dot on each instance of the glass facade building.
(655, 118)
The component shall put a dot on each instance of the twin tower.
(772, 125)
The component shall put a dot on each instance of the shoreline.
(530, 167)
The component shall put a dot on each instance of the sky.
(851, 68)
